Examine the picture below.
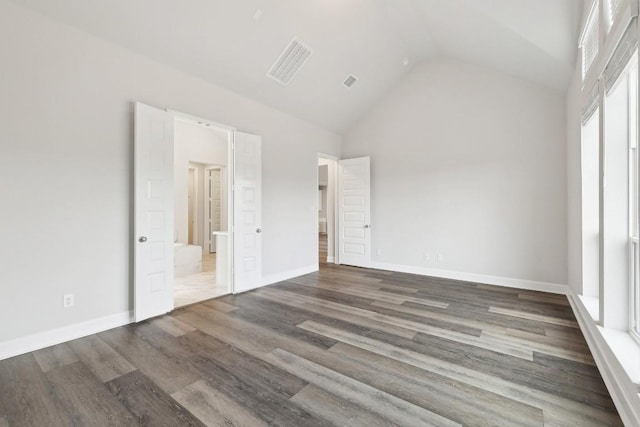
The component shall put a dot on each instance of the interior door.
(247, 211)
(354, 199)
(210, 238)
(191, 197)
(215, 214)
(153, 198)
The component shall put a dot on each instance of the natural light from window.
(591, 213)
(634, 219)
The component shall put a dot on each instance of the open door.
(354, 212)
(247, 212)
(153, 204)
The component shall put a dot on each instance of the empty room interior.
(319, 212)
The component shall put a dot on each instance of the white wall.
(574, 183)
(194, 144)
(67, 108)
(468, 163)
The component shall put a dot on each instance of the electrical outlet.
(378, 252)
(440, 258)
(68, 301)
(427, 256)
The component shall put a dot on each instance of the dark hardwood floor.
(345, 346)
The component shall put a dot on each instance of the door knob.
(259, 230)
(367, 226)
(142, 239)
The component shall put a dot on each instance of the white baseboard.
(531, 285)
(623, 391)
(56, 336)
(331, 259)
(45, 339)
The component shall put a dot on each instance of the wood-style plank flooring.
(345, 346)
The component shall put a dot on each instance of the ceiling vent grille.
(290, 61)
(350, 81)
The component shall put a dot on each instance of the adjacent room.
(319, 212)
(201, 236)
(327, 169)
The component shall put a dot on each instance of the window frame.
(590, 38)
(634, 199)
(612, 9)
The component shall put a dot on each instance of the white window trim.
(611, 14)
(590, 31)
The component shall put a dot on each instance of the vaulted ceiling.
(227, 43)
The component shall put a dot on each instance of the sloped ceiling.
(378, 41)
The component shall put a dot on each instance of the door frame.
(336, 234)
(177, 115)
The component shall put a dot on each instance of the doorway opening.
(201, 203)
(327, 183)
(161, 209)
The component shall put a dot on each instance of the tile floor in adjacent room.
(199, 287)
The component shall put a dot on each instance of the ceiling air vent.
(289, 62)
(350, 81)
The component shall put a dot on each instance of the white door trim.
(335, 159)
(183, 116)
(328, 156)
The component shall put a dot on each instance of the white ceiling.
(219, 41)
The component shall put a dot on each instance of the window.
(620, 268)
(635, 289)
(591, 209)
(611, 178)
(590, 40)
(634, 214)
(622, 173)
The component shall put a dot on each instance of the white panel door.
(354, 198)
(213, 207)
(153, 198)
(247, 212)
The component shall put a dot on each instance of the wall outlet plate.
(68, 300)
